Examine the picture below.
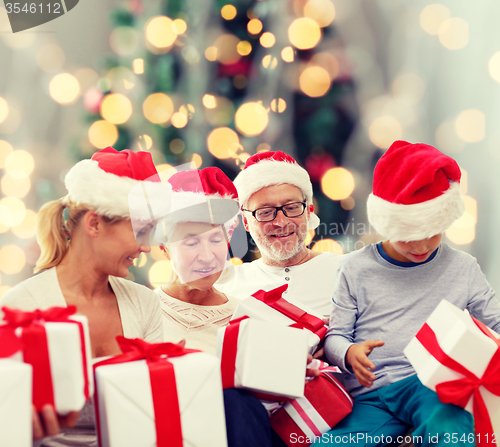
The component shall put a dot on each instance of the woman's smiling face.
(198, 253)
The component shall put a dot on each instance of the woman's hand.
(357, 357)
(48, 423)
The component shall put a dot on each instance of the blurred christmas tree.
(214, 82)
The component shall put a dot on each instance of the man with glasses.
(275, 196)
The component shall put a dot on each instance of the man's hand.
(48, 423)
(357, 357)
(311, 372)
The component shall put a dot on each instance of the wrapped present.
(325, 403)
(56, 344)
(159, 395)
(273, 308)
(15, 404)
(459, 358)
(262, 357)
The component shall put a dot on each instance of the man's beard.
(277, 251)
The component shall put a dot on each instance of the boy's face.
(413, 251)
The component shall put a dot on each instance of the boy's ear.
(92, 223)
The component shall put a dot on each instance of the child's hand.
(357, 357)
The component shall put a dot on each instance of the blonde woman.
(85, 259)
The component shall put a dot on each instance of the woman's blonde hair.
(53, 233)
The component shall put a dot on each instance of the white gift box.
(69, 361)
(270, 358)
(15, 404)
(125, 401)
(254, 308)
(462, 340)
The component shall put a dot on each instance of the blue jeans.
(383, 416)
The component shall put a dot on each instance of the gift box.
(56, 344)
(325, 403)
(159, 395)
(263, 358)
(15, 404)
(273, 308)
(459, 358)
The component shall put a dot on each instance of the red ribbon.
(229, 352)
(163, 385)
(33, 343)
(303, 320)
(460, 391)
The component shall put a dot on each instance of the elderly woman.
(84, 259)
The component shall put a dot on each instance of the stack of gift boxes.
(164, 394)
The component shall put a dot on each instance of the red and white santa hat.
(274, 168)
(119, 184)
(416, 193)
(206, 195)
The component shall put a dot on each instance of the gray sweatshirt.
(375, 299)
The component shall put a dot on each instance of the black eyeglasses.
(294, 209)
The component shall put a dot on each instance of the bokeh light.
(64, 88)
(267, 40)
(211, 53)
(158, 108)
(227, 49)
(278, 105)
(121, 79)
(179, 120)
(470, 126)
(123, 40)
(19, 164)
(159, 273)
(5, 149)
(138, 66)
(180, 26)
(263, 147)
(314, 81)
(270, 62)
(116, 108)
(12, 211)
(321, 11)
(288, 54)
(12, 259)
(222, 114)
(15, 187)
(337, 183)
(348, 204)
(177, 146)
(463, 230)
(447, 139)
(494, 66)
(50, 58)
(144, 142)
(223, 142)
(432, 17)
(141, 261)
(384, 130)
(102, 134)
(196, 160)
(209, 101)
(161, 32)
(454, 33)
(254, 26)
(328, 246)
(251, 119)
(27, 227)
(236, 261)
(240, 81)
(228, 12)
(244, 48)
(304, 33)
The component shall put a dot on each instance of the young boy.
(385, 292)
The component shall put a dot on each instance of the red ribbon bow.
(460, 391)
(33, 343)
(163, 385)
(303, 320)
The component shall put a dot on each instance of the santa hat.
(274, 168)
(206, 195)
(119, 184)
(416, 193)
